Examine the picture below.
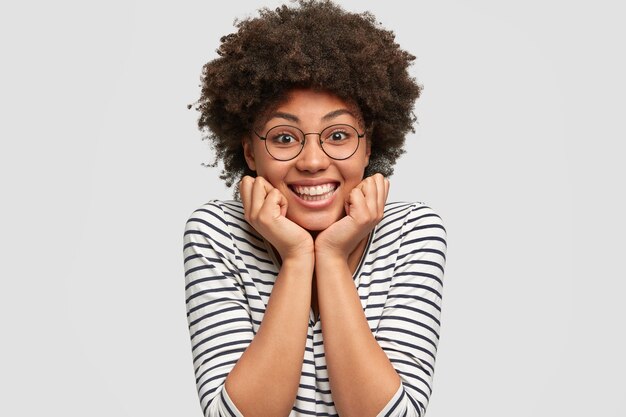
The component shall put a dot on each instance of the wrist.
(330, 258)
(300, 259)
(325, 252)
(302, 252)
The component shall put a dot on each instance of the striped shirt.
(230, 271)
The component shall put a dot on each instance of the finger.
(245, 191)
(348, 202)
(275, 203)
(284, 205)
(386, 189)
(357, 205)
(260, 189)
(381, 194)
(370, 191)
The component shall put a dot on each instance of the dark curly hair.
(317, 45)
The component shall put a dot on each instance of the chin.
(314, 223)
(316, 227)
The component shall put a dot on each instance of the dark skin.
(320, 241)
(353, 262)
(316, 45)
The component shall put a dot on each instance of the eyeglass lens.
(338, 141)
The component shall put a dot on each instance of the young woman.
(311, 295)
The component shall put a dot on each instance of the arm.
(408, 330)
(217, 310)
(362, 378)
(265, 380)
(390, 372)
(277, 351)
(232, 364)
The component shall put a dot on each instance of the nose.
(312, 158)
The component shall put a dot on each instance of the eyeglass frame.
(304, 135)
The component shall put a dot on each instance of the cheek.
(273, 172)
(353, 173)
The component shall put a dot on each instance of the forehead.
(306, 105)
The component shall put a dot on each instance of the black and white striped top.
(230, 270)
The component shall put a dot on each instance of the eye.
(283, 136)
(284, 139)
(339, 135)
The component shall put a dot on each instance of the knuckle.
(263, 218)
(366, 222)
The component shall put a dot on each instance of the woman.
(312, 295)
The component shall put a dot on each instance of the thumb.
(283, 205)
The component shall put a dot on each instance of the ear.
(248, 153)
(368, 152)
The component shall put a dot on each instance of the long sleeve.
(230, 275)
(408, 331)
(218, 314)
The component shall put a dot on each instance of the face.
(316, 186)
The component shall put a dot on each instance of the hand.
(265, 208)
(364, 210)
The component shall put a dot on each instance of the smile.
(314, 193)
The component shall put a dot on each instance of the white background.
(517, 149)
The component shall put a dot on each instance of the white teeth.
(317, 190)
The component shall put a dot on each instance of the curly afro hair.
(317, 45)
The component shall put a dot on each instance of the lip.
(319, 204)
(313, 182)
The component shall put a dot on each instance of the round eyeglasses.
(285, 142)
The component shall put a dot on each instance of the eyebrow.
(282, 115)
(336, 113)
(328, 116)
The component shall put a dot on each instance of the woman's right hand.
(265, 208)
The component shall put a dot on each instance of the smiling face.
(315, 185)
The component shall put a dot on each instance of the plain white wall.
(516, 148)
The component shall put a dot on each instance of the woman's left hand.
(364, 210)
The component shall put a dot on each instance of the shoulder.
(409, 224)
(213, 215)
(222, 222)
(212, 220)
(409, 215)
(418, 237)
